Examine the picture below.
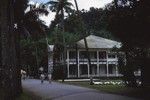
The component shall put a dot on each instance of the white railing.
(102, 60)
(83, 75)
(93, 60)
(112, 59)
(98, 75)
(72, 76)
(73, 60)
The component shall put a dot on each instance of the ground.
(59, 91)
(138, 92)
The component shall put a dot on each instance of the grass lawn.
(28, 96)
(24, 96)
(143, 93)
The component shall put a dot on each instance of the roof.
(98, 42)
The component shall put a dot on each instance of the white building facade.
(104, 62)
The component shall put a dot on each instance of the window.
(103, 68)
(94, 69)
(93, 55)
(73, 70)
(72, 55)
(102, 55)
(83, 55)
(83, 70)
(111, 56)
(111, 69)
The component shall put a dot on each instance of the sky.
(83, 4)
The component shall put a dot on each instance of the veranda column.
(88, 69)
(68, 63)
(107, 63)
(78, 63)
(98, 63)
(116, 65)
(116, 69)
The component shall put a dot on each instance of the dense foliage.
(95, 20)
(129, 21)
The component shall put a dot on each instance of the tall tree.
(129, 21)
(13, 20)
(32, 27)
(8, 50)
(96, 22)
(60, 7)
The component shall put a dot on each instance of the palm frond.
(69, 4)
(36, 11)
(68, 9)
(52, 3)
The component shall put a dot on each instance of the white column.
(78, 63)
(98, 63)
(107, 63)
(50, 62)
(88, 69)
(116, 70)
(68, 63)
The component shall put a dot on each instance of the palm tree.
(60, 6)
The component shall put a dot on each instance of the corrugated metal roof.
(98, 42)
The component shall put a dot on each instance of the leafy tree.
(96, 22)
(29, 54)
(34, 30)
(129, 21)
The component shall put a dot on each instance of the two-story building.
(104, 62)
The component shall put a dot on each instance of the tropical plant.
(59, 6)
(34, 28)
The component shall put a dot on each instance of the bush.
(59, 72)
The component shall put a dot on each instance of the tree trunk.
(64, 44)
(4, 46)
(18, 67)
(61, 27)
(84, 37)
(76, 46)
(145, 68)
(8, 50)
(0, 52)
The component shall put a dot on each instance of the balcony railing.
(93, 60)
(112, 59)
(82, 60)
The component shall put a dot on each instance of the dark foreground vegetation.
(26, 95)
